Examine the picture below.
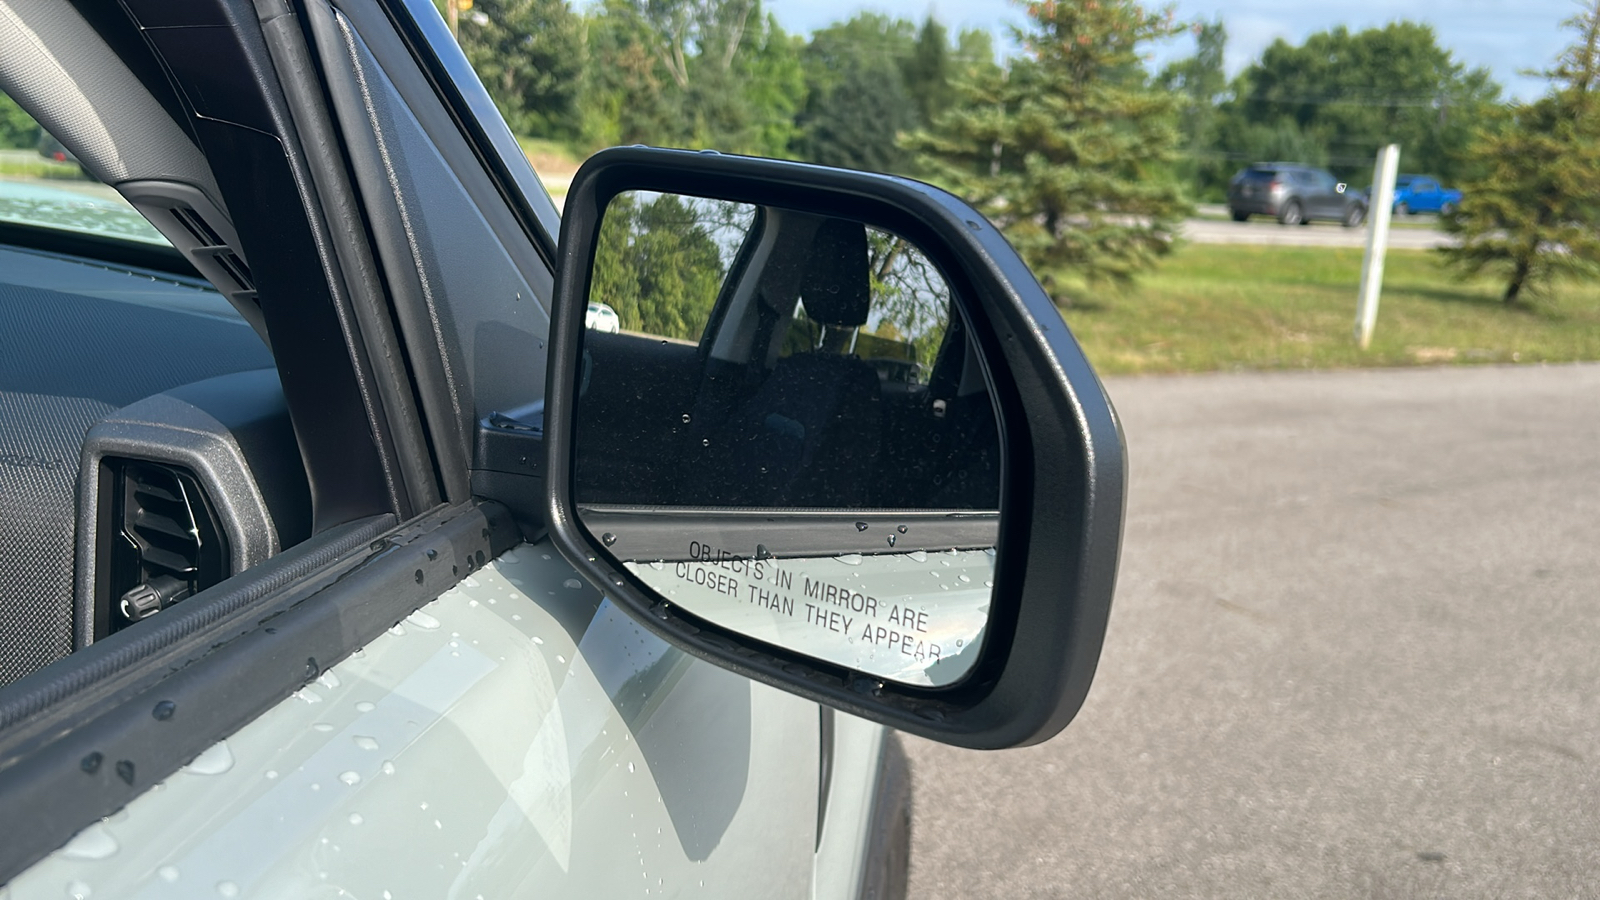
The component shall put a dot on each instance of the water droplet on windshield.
(214, 761)
(349, 777)
(364, 742)
(850, 559)
(573, 583)
(608, 539)
(94, 842)
(861, 526)
(423, 620)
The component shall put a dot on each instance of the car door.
(517, 735)
(1425, 195)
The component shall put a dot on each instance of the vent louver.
(166, 542)
(212, 245)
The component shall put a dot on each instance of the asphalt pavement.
(1355, 652)
(1406, 234)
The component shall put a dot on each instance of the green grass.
(39, 168)
(1218, 307)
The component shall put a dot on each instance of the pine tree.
(1534, 212)
(1071, 150)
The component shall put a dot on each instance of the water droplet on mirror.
(685, 415)
(861, 526)
(423, 620)
(573, 583)
(164, 710)
(901, 529)
(630, 767)
(657, 564)
(364, 742)
(214, 761)
(272, 774)
(168, 873)
(958, 642)
(388, 767)
(850, 559)
(963, 579)
(366, 706)
(397, 630)
(227, 889)
(308, 695)
(705, 442)
(608, 539)
(322, 726)
(538, 640)
(891, 540)
(355, 819)
(349, 777)
(94, 842)
(918, 555)
(78, 889)
(762, 552)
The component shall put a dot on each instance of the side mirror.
(837, 439)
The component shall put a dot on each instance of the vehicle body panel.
(1423, 193)
(517, 737)
(1272, 188)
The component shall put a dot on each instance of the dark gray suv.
(1294, 194)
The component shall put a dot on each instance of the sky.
(1506, 36)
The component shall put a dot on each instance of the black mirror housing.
(1063, 477)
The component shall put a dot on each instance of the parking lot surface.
(1355, 652)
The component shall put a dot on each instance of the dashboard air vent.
(165, 542)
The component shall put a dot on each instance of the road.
(1355, 652)
(1262, 230)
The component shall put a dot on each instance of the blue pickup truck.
(1423, 193)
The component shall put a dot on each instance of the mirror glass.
(784, 428)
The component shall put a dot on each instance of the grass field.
(1221, 307)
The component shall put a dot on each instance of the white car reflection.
(601, 317)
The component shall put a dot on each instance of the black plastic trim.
(1062, 499)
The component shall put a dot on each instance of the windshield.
(42, 185)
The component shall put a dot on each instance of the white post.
(1380, 208)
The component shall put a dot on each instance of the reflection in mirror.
(784, 428)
